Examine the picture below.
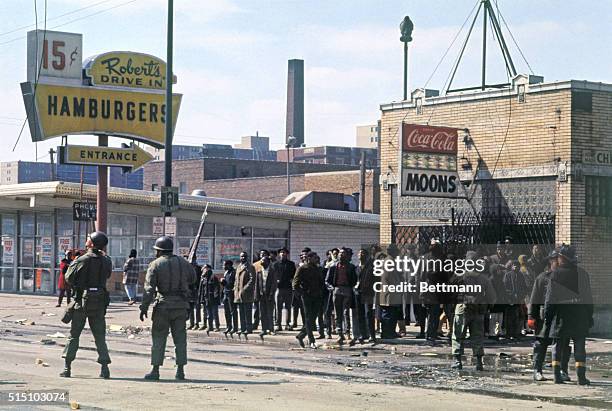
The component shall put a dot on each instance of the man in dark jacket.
(195, 309)
(244, 294)
(569, 311)
(365, 297)
(516, 291)
(229, 307)
(340, 279)
(538, 262)
(265, 291)
(432, 300)
(285, 269)
(307, 284)
(535, 317)
(210, 297)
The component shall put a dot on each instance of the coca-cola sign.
(429, 139)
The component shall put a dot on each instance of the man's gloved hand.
(531, 323)
(143, 315)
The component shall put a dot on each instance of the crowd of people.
(337, 298)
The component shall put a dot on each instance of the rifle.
(194, 246)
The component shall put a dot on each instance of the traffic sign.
(132, 157)
(170, 226)
(82, 211)
(158, 226)
(169, 199)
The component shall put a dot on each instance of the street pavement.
(274, 374)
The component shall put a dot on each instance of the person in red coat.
(62, 286)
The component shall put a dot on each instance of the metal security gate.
(480, 231)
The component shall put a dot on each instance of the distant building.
(329, 155)
(251, 148)
(273, 189)
(18, 172)
(367, 136)
(188, 175)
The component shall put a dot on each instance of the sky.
(230, 57)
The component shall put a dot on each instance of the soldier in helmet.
(87, 276)
(167, 282)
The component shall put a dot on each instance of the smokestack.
(295, 103)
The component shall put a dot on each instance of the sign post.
(169, 199)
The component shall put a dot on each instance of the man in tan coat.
(244, 294)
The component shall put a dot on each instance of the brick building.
(188, 175)
(274, 188)
(536, 148)
(329, 155)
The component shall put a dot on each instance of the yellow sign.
(61, 110)
(134, 156)
(127, 69)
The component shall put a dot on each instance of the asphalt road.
(274, 374)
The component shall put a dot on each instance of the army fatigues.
(470, 312)
(167, 282)
(87, 275)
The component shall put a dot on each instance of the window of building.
(154, 187)
(598, 196)
(582, 101)
(183, 187)
(521, 93)
(419, 105)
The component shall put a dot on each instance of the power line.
(74, 20)
(514, 40)
(55, 18)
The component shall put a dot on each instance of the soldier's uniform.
(88, 275)
(469, 314)
(167, 284)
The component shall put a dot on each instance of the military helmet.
(164, 244)
(99, 239)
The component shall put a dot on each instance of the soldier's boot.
(581, 373)
(154, 374)
(104, 372)
(180, 373)
(457, 365)
(557, 373)
(479, 363)
(67, 371)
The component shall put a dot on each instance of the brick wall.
(193, 172)
(323, 237)
(274, 188)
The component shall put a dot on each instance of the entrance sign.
(133, 157)
(60, 56)
(127, 69)
(428, 161)
(59, 110)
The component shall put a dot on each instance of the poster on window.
(204, 252)
(230, 249)
(429, 161)
(8, 250)
(46, 250)
(64, 244)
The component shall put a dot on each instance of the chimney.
(295, 102)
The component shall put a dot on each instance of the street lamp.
(290, 142)
(406, 29)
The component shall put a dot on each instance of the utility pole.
(169, 116)
(290, 142)
(484, 44)
(362, 182)
(51, 153)
(102, 199)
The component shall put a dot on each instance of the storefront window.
(268, 244)
(44, 252)
(230, 249)
(119, 250)
(64, 223)
(7, 279)
(189, 228)
(269, 233)
(204, 253)
(26, 259)
(223, 230)
(27, 224)
(120, 224)
(26, 278)
(145, 226)
(44, 224)
(8, 224)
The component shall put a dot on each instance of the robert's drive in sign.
(429, 161)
